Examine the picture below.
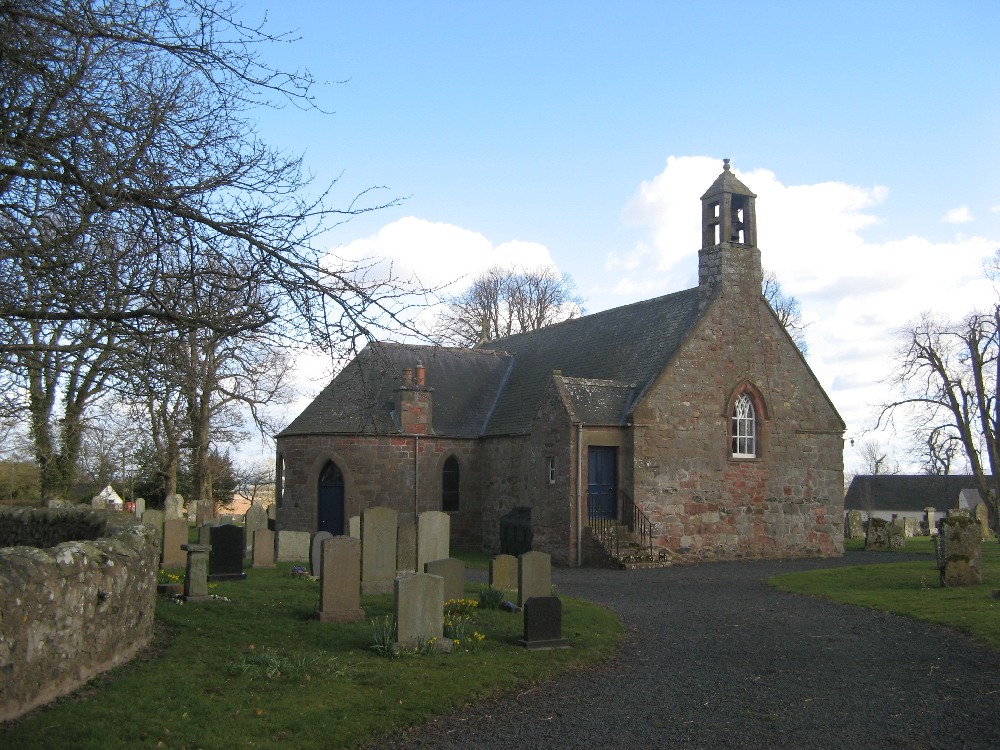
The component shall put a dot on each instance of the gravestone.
(173, 507)
(433, 534)
(154, 518)
(340, 580)
(205, 533)
(982, 514)
(272, 516)
(855, 524)
(293, 546)
(418, 607)
(534, 576)
(140, 507)
(543, 623)
(897, 534)
(959, 545)
(378, 550)
(878, 534)
(452, 571)
(226, 561)
(930, 521)
(503, 572)
(406, 548)
(911, 527)
(196, 572)
(316, 551)
(255, 518)
(263, 549)
(354, 526)
(175, 534)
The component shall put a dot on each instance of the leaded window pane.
(744, 428)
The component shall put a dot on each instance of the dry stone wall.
(77, 594)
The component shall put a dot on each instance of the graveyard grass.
(258, 671)
(912, 589)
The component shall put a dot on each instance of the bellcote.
(727, 212)
(729, 260)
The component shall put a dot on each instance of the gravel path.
(717, 659)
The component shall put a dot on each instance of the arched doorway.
(330, 500)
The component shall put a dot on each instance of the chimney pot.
(421, 374)
(407, 376)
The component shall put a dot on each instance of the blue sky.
(582, 135)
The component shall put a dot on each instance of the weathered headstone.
(418, 607)
(534, 576)
(354, 526)
(452, 571)
(543, 623)
(911, 527)
(982, 515)
(175, 534)
(503, 572)
(154, 518)
(930, 520)
(378, 550)
(406, 548)
(897, 534)
(173, 507)
(433, 536)
(196, 572)
(255, 518)
(226, 561)
(293, 546)
(263, 548)
(855, 524)
(959, 546)
(316, 551)
(205, 533)
(877, 536)
(140, 506)
(340, 580)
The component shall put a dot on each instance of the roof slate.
(360, 400)
(630, 345)
(607, 361)
(906, 492)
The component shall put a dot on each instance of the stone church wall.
(706, 504)
(77, 596)
(379, 470)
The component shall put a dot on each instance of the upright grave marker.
(316, 551)
(418, 607)
(196, 572)
(226, 561)
(433, 534)
(255, 518)
(452, 572)
(406, 548)
(543, 623)
(175, 534)
(340, 580)
(503, 572)
(263, 548)
(534, 576)
(378, 550)
(293, 546)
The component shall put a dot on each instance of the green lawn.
(911, 589)
(257, 671)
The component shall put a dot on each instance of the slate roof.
(607, 361)
(906, 492)
(360, 400)
(630, 345)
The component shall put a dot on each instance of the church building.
(692, 418)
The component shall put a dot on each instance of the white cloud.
(960, 215)
(441, 256)
(855, 294)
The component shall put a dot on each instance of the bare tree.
(504, 301)
(947, 380)
(787, 308)
(877, 458)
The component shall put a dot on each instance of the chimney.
(414, 403)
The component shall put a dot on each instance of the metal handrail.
(634, 519)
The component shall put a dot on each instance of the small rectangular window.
(552, 469)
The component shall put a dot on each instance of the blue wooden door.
(330, 500)
(602, 482)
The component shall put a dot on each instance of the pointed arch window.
(744, 429)
(450, 484)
